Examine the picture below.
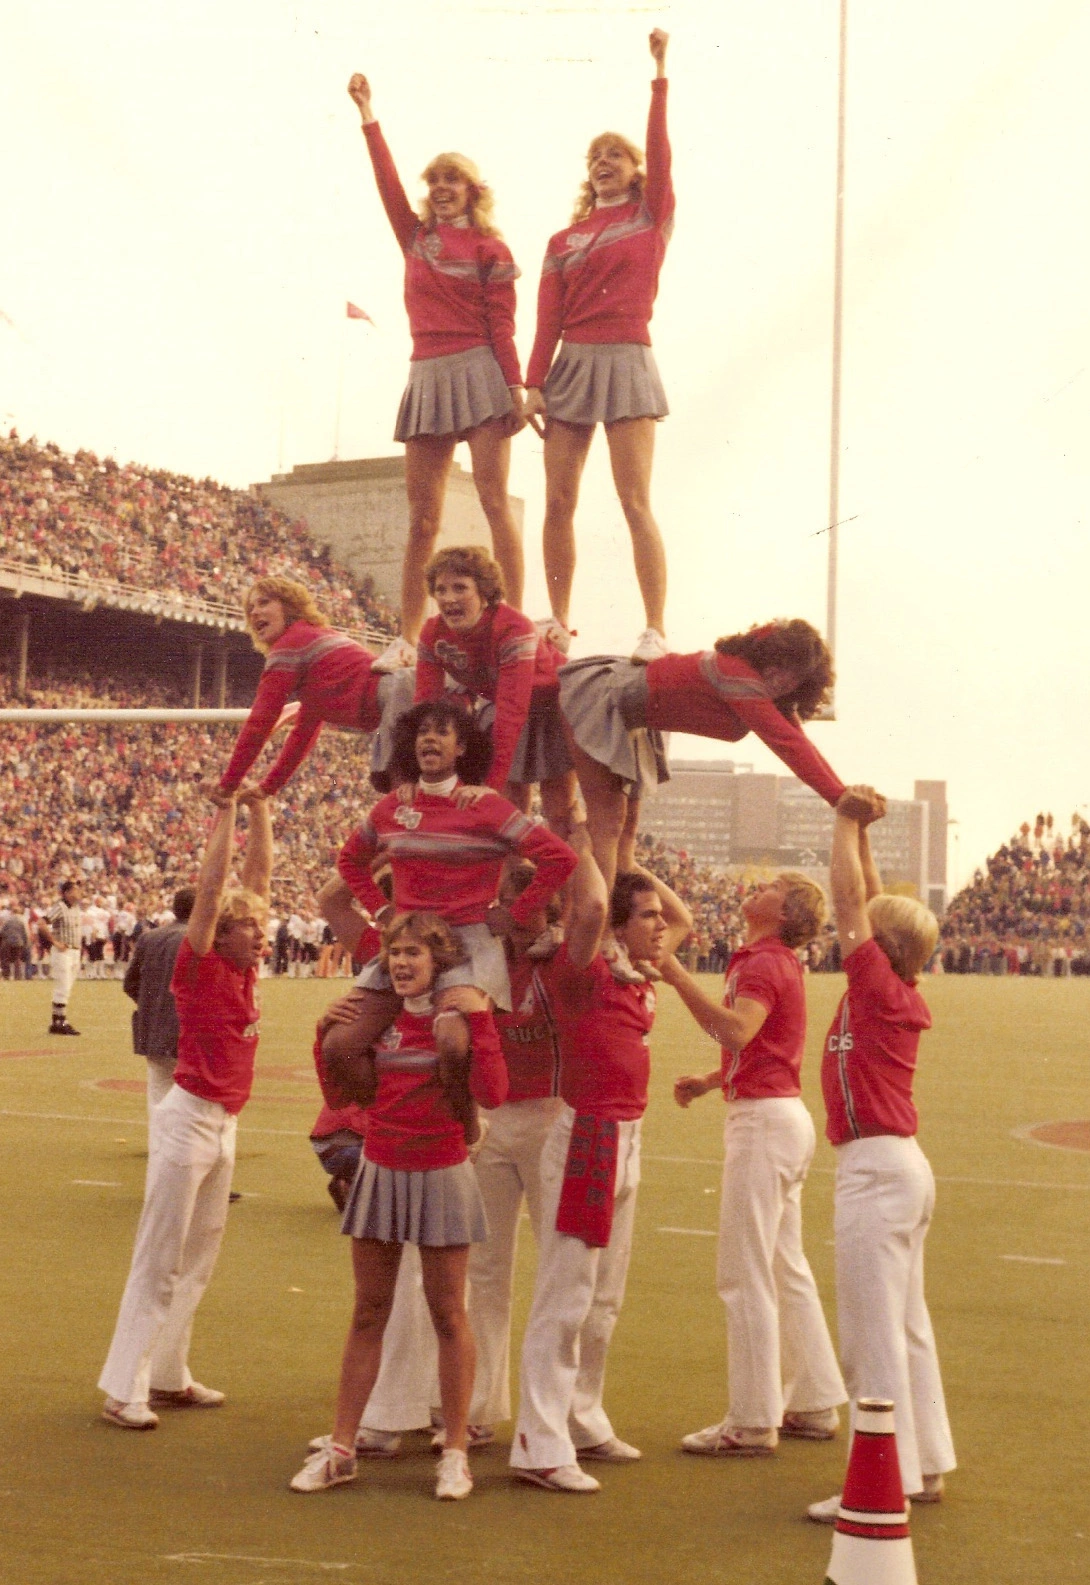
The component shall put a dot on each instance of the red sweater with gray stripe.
(330, 674)
(719, 696)
(601, 274)
(448, 859)
(459, 284)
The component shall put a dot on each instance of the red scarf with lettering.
(590, 1176)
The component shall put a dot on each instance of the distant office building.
(724, 814)
(360, 511)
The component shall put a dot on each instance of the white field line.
(1035, 1260)
(685, 1161)
(692, 1232)
(258, 1562)
(94, 1183)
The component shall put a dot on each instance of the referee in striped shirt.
(60, 931)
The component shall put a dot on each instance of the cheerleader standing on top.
(464, 379)
(596, 298)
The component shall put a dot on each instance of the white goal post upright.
(107, 716)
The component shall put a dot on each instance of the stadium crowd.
(90, 517)
(1026, 911)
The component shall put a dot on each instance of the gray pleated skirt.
(395, 696)
(452, 395)
(541, 753)
(604, 701)
(441, 1206)
(601, 382)
(485, 967)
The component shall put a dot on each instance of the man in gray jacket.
(147, 981)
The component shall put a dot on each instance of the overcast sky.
(188, 206)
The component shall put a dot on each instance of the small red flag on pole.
(353, 312)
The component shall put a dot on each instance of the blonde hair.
(586, 201)
(467, 561)
(296, 598)
(805, 909)
(905, 930)
(429, 930)
(241, 903)
(481, 199)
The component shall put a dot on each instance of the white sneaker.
(825, 1512)
(195, 1396)
(612, 1452)
(649, 646)
(933, 1488)
(369, 1444)
(453, 1480)
(812, 1425)
(129, 1416)
(566, 1477)
(398, 655)
(731, 1441)
(553, 631)
(327, 1467)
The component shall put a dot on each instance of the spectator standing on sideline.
(147, 981)
(60, 932)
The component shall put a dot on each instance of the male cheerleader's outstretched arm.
(212, 881)
(589, 901)
(257, 866)
(733, 1027)
(853, 877)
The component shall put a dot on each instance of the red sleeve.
(354, 867)
(786, 740)
(430, 676)
(550, 320)
(760, 982)
(399, 211)
(500, 274)
(660, 189)
(301, 740)
(552, 858)
(514, 640)
(487, 1069)
(272, 695)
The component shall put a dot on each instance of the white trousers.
(779, 1353)
(64, 972)
(408, 1378)
(885, 1196)
(508, 1170)
(160, 1081)
(191, 1155)
(577, 1299)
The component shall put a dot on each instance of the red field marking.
(1063, 1136)
(46, 1051)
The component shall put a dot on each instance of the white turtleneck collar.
(439, 789)
(419, 1005)
(612, 203)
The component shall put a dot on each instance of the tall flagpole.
(838, 304)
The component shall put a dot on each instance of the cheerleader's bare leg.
(490, 452)
(566, 447)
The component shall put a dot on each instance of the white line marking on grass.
(258, 1562)
(693, 1232)
(95, 1183)
(1035, 1260)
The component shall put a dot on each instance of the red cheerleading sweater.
(502, 659)
(410, 1126)
(869, 1060)
(714, 695)
(330, 674)
(605, 1040)
(217, 1027)
(768, 1067)
(448, 859)
(601, 274)
(529, 1033)
(459, 285)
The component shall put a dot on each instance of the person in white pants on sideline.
(782, 1373)
(885, 1189)
(191, 1135)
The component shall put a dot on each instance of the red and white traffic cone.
(872, 1545)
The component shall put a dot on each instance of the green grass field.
(204, 1500)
